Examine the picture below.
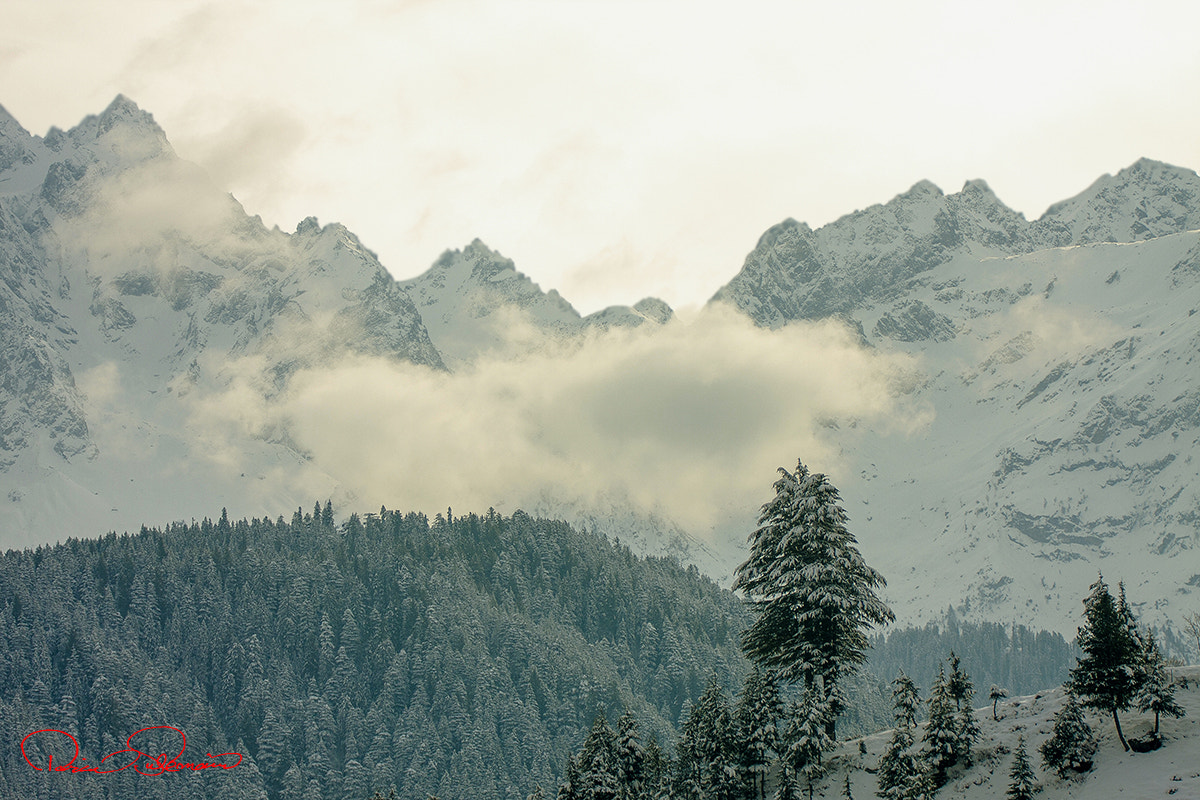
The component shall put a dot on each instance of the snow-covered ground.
(1173, 770)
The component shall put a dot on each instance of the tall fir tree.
(598, 768)
(630, 756)
(1106, 677)
(942, 745)
(807, 738)
(656, 772)
(814, 593)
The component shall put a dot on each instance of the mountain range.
(161, 348)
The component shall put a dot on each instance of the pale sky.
(617, 149)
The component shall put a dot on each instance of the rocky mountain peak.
(654, 310)
(123, 133)
(921, 190)
(309, 226)
(1145, 200)
(14, 141)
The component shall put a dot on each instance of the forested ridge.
(464, 656)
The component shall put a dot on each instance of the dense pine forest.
(462, 657)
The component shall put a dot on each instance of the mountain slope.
(1169, 771)
(131, 287)
(1057, 367)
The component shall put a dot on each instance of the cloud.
(251, 149)
(688, 421)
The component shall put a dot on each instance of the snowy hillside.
(1062, 433)
(1173, 770)
(133, 291)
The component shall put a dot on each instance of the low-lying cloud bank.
(688, 421)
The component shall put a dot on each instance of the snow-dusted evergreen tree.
(758, 711)
(901, 775)
(1107, 675)
(1156, 692)
(656, 772)
(960, 689)
(1072, 743)
(807, 738)
(707, 751)
(814, 593)
(1023, 783)
(630, 755)
(996, 694)
(941, 744)
(598, 770)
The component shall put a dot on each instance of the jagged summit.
(1142, 201)
(14, 141)
(10, 127)
(122, 134)
(977, 186)
(796, 273)
(922, 188)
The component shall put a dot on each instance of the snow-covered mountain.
(148, 322)
(475, 303)
(128, 283)
(153, 335)
(1059, 360)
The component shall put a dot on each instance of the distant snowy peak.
(797, 273)
(1143, 201)
(474, 302)
(14, 141)
(131, 289)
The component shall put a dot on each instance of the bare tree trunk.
(1120, 735)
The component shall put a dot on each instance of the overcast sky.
(618, 149)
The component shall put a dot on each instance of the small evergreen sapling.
(1157, 692)
(900, 773)
(1071, 744)
(1023, 784)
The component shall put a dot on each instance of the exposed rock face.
(117, 259)
(1059, 361)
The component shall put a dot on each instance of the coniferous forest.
(459, 657)
(462, 657)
